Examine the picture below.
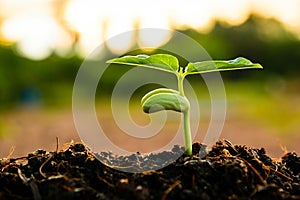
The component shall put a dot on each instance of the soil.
(226, 172)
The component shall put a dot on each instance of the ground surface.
(226, 172)
(28, 130)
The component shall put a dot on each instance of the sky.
(39, 27)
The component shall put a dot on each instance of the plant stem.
(180, 78)
(187, 133)
(186, 118)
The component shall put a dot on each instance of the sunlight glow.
(36, 25)
(288, 12)
(232, 11)
(86, 18)
(153, 17)
(196, 14)
(89, 40)
(122, 25)
(38, 41)
(119, 36)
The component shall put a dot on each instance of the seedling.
(168, 99)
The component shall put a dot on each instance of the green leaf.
(156, 91)
(165, 101)
(220, 65)
(164, 62)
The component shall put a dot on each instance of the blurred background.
(43, 43)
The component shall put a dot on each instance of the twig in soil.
(278, 172)
(11, 151)
(167, 192)
(41, 167)
(22, 177)
(255, 172)
(284, 149)
(7, 160)
(32, 184)
(105, 181)
(117, 167)
(229, 144)
(56, 145)
(67, 145)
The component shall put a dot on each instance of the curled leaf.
(165, 101)
(156, 91)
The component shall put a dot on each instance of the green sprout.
(168, 99)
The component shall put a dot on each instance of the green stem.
(180, 78)
(186, 118)
(187, 133)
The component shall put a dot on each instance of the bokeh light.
(42, 27)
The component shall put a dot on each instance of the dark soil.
(226, 172)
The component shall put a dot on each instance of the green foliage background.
(263, 41)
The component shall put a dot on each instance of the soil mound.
(226, 172)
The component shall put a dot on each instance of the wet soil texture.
(226, 172)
